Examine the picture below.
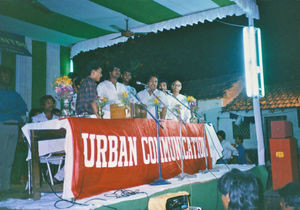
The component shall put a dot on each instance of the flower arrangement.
(192, 101)
(193, 105)
(124, 97)
(63, 88)
(156, 101)
(177, 109)
(101, 102)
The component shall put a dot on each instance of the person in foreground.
(240, 190)
(12, 108)
(290, 196)
(87, 94)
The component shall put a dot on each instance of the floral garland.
(63, 88)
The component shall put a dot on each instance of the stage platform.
(203, 192)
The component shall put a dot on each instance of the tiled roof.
(210, 88)
(278, 96)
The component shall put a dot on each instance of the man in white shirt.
(175, 106)
(126, 78)
(111, 89)
(228, 150)
(47, 104)
(148, 97)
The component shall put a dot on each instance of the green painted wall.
(38, 72)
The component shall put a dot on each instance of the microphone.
(140, 83)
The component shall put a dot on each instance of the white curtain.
(24, 75)
(52, 68)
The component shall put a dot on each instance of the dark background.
(211, 49)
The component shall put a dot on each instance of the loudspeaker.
(284, 161)
(281, 129)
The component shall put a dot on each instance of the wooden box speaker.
(281, 129)
(284, 161)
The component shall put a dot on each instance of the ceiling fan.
(127, 32)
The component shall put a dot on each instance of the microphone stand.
(160, 180)
(204, 132)
(182, 175)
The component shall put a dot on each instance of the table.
(103, 155)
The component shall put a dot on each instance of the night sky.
(211, 49)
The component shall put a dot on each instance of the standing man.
(148, 97)
(175, 106)
(126, 78)
(12, 107)
(111, 89)
(87, 94)
(163, 86)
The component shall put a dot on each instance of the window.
(241, 130)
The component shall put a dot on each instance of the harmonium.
(120, 111)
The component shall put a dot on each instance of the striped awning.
(90, 24)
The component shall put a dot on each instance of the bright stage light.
(71, 65)
(253, 62)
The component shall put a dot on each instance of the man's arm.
(163, 113)
(95, 109)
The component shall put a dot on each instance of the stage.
(203, 193)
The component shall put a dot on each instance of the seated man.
(148, 98)
(47, 103)
(290, 196)
(229, 151)
(241, 159)
(111, 89)
(240, 190)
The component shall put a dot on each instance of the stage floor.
(203, 192)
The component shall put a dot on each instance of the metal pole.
(257, 117)
(259, 132)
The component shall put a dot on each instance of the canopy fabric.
(68, 22)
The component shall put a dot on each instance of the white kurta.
(148, 100)
(228, 150)
(42, 118)
(107, 89)
(176, 107)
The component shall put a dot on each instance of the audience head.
(240, 190)
(239, 140)
(5, 76)
(126, 77)
(47, 103)
(290, 196)
(176, 86)
(163, 86)
(94, 70)
(152, 82)
(221, 135)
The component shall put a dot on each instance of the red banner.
(117, 154)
